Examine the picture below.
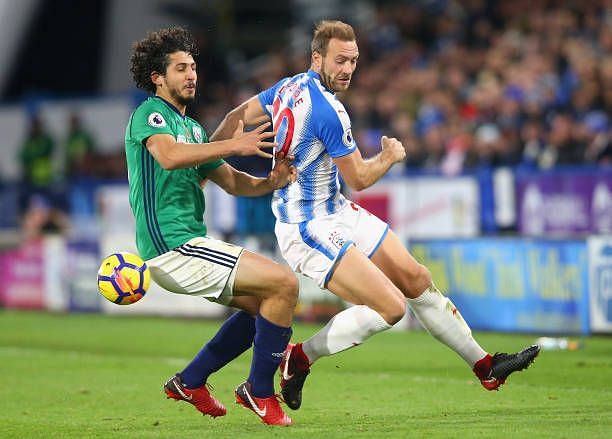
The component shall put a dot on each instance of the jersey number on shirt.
(279, 117)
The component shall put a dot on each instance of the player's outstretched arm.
(240, 183)
(250, 112)
(360, 174)
(172, 155)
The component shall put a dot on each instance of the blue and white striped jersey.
(312, 125)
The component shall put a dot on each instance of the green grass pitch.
(80, 375)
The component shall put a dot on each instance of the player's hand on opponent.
(393, 148)
(283, 172)
(253, 142)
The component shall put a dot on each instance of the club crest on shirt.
(336, 239)
(347, 138)
(156, 120)
(197, 134)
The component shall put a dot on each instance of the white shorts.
(202, 266)
(313, 247)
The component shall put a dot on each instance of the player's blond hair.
(325, 30)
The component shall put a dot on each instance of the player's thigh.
(249, 304)
(393, 259)
(261, 277)
(357, 280)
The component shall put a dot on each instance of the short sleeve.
(266, 97)
(333, 126)
(149, 119)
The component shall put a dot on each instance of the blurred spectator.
(595, 130)
(78, 149)
(41, 218)
(532, 137)
(562, 148)
(36, 155)
(36, 159)
(368, 141)
(487, 141)
(435, 148)
(457, 147)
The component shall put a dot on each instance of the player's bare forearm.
(250, 112)
(367, 172)
(373, 170)
(171, 155)
(240, 183)
(246, 185)
(360, 174)
(255, 187)
(280, 176)
(228, 125)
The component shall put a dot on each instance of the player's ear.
(156, 78)
(316, 60)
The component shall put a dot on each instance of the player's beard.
(180, 98)
(330, 83)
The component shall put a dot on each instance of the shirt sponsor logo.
(156, 120)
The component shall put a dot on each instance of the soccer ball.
(123, 278)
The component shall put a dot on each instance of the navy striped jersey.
(168, 204)
(312, 125)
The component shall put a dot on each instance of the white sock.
(345, 330)
(442, 319)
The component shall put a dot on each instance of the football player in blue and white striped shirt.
(337, 243)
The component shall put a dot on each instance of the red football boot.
(268, 409)
(200, 397)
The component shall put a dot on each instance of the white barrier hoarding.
(425, 207)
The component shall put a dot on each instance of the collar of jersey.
(315, 75)
(172, 107)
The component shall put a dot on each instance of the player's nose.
(348, 69)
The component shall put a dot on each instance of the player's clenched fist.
(393, 148)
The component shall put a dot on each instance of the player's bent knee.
(419, 282)
(288, 287)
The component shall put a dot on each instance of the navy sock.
(233, 338)
(270, 343)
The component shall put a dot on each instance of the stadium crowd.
(468, 84)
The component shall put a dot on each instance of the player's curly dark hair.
(151, 53)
